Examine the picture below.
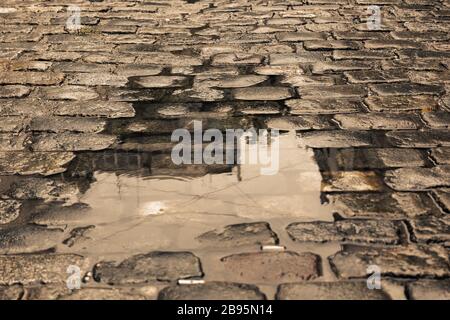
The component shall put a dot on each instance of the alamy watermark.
(374, 19)
(238, 146)
(374, 279)
(73, 22)
(73, 281)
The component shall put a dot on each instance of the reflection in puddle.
(134, 214)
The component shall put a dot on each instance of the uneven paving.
(373, 104)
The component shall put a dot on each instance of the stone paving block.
(72, 142)
(323, 106)
(14, 292)
(419, 139)
(391, 44)
(335, 139)
(403, 261)
(430, 229)
(36, 268)
(377, 121)
(429, 290)
(443, 197)
(266, 267)
(152, 266)
(362, 55)
(372, 76)
(16, 142)
(396, 205)
(343, 290)
(97, 79)
(351, 181)
(29, 239)
(301, 36)
(13, 124)
(410, 179)
(262, 93)
(441, 155)
(159, 81)
(27, 163)
(255, 233)
(62, 215)
(77, 93)
(294, 58)
(337, 66)
(299, 123)
(332, 92)
(330, 45)
(107, 294)
(401, 103)
(406, 89)
(32, 78)
(229, 81)
(9, 211)
(212, 291)
(63, 124)
(14, 91)
(437, 120)
(236, 59)
(365, 231)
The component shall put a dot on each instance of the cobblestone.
(429, 290)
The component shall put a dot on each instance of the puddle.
(135, 213)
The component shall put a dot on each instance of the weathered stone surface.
(406, 89)
(328, 66)
(256, 233)
(28, 239)
(72, 142)
(429, 290)
(153, 266)
(63, 124)
(419, 139)
(237, 58)
(343, 290)
(323, 106)
(27, 163)
(280, 59)
(362, 55)
(441, 155)
(437, 120)
(78, 93)
(35, 268)
(262, 93)
(377, 121)
(372, 76)
(78, 235)
(107, 294)
(97, 79)
(14, 292)
(212, 291)
(366, 231)
(403, 261)
(16, 142)
(160, 81)
(222, 81)
(335, 139)
(351, 181)
(332, 92)
(301, 36)
(430, 229)
(381, 205)
(9, 210)
(14, 91)
(410, 179)
(33, 78)
(284, 266)
(401, 103)
(299, 123)
(330, 45)
(61, 216)
(13, 124)
(443, 196)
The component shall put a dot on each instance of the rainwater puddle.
(135, 213)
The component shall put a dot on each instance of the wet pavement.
(90, 195)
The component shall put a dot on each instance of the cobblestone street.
(89, 192)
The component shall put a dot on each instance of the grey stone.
(377, 121)
(406, 89)
(332, 92)
(410, 179)
(429, 290)
(323, 106)
(14, 91)
(438, 120)
(342, 290)
(31, 188)
(9, 211)
(63, 124)
(402, 261)
(366, 231)
(14, 292)
(28, 163)
(160, 81)
(270, 267)
(153, 266)
(262, 93)
(77, 93)
(32, 78)
(255, 233)
(419, 139)
(430, 229)
(441, 155)
(351, 181)
(97, 79)
(443, 197)
(229, 81)
(106, 294)
(212, 291)
(298, 123)
(13, 124)
(335, 139)
(29, 239)
(38, 268)
(62, 215)
(279, 59)
(373, 76)
(16, 142)
(337, 66)
(401, 103)
(396, 205)
(72, 142)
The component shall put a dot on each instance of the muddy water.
(136, 213)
